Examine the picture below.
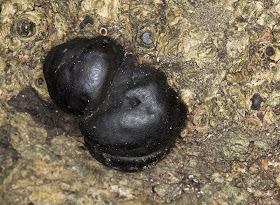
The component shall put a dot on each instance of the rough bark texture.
(222, 56)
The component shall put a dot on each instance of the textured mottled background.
(221, 56)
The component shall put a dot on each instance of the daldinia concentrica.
(138, 121)
(79, 72)
(130, 117)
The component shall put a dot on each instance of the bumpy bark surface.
(222, 56)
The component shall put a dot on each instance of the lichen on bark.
(216, 53)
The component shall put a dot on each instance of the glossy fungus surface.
(79, 72)
(138, 121)
(129, 115)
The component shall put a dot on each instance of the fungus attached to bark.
(130, 116)
(138, 122)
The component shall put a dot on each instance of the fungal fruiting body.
(138, 121)
(131, 117)
(79, 72)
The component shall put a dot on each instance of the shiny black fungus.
(130, 117)
(138, 121)
(80, 71)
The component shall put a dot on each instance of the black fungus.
(138, 122)
(130, 117)
(79, 72)
(269, 51)
(256, 101)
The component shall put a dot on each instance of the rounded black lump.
(138, 122)
(80, 71)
